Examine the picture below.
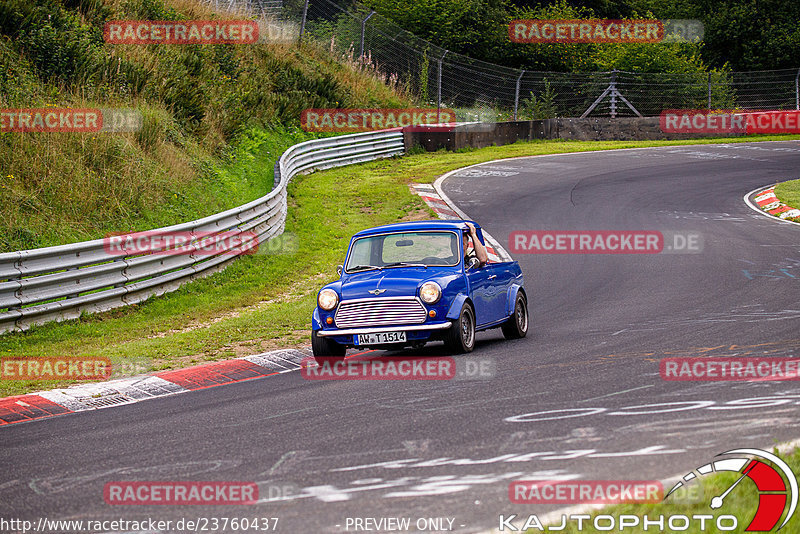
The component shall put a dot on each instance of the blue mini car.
(409, 283)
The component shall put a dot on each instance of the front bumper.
(413, 328)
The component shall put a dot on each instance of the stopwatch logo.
(770, 482)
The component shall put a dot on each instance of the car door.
(500, 278)
(494, 279)
(479, 292)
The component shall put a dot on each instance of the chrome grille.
(380, 312)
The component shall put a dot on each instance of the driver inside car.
(478, 251)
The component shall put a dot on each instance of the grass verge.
(265, 301)
(741, 502)
(789, 194)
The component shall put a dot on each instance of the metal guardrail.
(62, 282)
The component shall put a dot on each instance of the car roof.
(416, 226)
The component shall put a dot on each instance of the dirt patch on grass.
(418, 214)
(295, 291)
(298, 339)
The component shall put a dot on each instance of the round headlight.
(430, 292)
(327, 299)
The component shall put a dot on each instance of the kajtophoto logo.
(772, 485)
(775, 499)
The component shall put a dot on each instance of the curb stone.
(122, 391)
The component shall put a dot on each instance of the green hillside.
(202, 105)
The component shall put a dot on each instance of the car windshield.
(403, 249)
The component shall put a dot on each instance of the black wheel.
(326, 350)
(517, 325)
(460, 337)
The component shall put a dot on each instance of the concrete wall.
(433, 138)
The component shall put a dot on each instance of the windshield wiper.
(405, 264)
(363, 268)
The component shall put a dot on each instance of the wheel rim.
(467, 330)
(522, 316)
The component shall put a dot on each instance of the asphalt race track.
(581, 396)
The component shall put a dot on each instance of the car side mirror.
(473, 263)
(339, 269)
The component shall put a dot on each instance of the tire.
(517, 325)
(326, 350)
(460, 337)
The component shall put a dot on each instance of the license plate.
(380, 338)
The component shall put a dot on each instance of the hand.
(471, 228)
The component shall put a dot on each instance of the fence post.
(363, 29)
(516, 93)
(797, 90)
(613, 92)
(14, 278)
(439, 86)
(709, 90)
(303, 22)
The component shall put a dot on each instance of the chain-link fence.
(262, 8)
(438, 77)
